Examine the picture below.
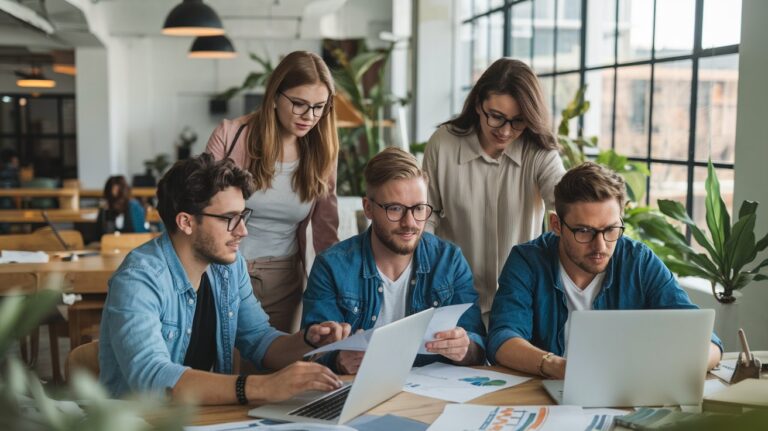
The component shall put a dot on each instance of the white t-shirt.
(394, 297)
(577, 299)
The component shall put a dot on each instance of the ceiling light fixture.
(192, 18)
(35, 79)
(212, 47)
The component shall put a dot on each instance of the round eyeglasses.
(300, 108)
(585, 235)
(232, 220)
(497, 121)
(396, 212)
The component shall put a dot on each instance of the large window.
(662, 77)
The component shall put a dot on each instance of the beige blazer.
(324, 214)
(486, 205)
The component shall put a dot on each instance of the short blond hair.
(589, 182)
(391, 164)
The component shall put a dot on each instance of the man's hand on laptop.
(324, 333)
(291, 381)
(554, 367)
(348, 361)
(453, 344)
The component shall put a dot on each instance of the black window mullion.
(615, 71)
(651, 90)
(697, 32)
(583, 53)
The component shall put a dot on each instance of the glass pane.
(479, 6)
(522, 31)
(632, 103)
(565, 88)
(598, 121)
(496, 3)
(671, 110)
(668, 182)
(544, 36)
(546, 88)
(722, 23)
(8, 114)
(568, 34)
(70, 153)
(601, 32)
(674, 27)
(464, 67)
(725, 177)
(635, 30)
(716, 108)
(496, 38)
(479, 48)
(465, 9)
(43, 115)
(46, 157)
(68, 116)
(22, 103)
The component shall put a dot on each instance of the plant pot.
(183, 153)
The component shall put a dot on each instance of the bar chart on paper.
(523, 418)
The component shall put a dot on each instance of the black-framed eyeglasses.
(396, 212)
(301, 108)
(232, 220)
(585, 235)
(497, 121)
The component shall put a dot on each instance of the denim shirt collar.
(554, 254)
(421, 263)
(180, 280)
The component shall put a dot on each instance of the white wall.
(752, 153)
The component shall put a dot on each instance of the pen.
(747, 355)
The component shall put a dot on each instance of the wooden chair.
(114, 243)
(23, 284)
(84, 357)
(42, 240)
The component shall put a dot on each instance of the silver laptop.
(629, 358)
(381, 376)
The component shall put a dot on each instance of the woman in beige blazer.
(491, 171)
(290, 146)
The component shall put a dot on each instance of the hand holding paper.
(445, 319)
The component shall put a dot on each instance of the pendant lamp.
(192, 18)
(212, 47)
(35, 79)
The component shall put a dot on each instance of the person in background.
(290, 146)
(179, 304)
(121, 213)
(492, 169)
(394, 269)
(585, 263)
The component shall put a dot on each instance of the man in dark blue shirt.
(584, 264)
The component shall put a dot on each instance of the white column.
(95, 152)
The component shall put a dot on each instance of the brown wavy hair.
(119, 202)
(516, 79)
(318, 149)
(589, 182)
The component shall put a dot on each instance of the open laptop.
(628, 358)
(381, 376)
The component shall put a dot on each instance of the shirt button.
(355, 310)
(191, 301)
(189, 331)
(231, 314)
(413, 282)
(373, 318)
(381, 289)
(434, 304)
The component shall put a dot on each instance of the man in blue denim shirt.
(584, 264)
(395, 269)
(178, 304)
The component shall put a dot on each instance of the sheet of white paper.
(259, 425)
(457, 384)
(725, 370)
(445, 318)
(8, 256)
(358, 342)
(467, 417)
(713, 385)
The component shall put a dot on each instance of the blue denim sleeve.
(133, 309)
(137, 216)
(662, 291)
(320, 304)
(254, 334)
(465, 293)
(512, 310)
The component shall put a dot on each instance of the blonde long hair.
(318, 149)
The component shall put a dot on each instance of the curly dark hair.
(190, 185)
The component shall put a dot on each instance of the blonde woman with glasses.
(290, 146)
(492, 170)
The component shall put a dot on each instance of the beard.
(204, 247)
(583, 262)
(389, 241)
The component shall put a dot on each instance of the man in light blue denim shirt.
(585, 264)
(178, 304)
(395, 269)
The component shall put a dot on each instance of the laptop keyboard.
(326, 408)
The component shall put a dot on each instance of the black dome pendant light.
(212, 47)
(192, 18)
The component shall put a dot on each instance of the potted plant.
(187, 138)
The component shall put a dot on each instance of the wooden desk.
(405, 404)
(136, 192)
(99, 265)
(68, 198)
(85, 215)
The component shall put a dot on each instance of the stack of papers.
(466, 417)
(14, 256)
(457, 384)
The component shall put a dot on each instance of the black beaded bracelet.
(309, 343)
(240, 389)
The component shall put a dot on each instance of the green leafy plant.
(253, 79)
(728, 249)
(157, 166)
